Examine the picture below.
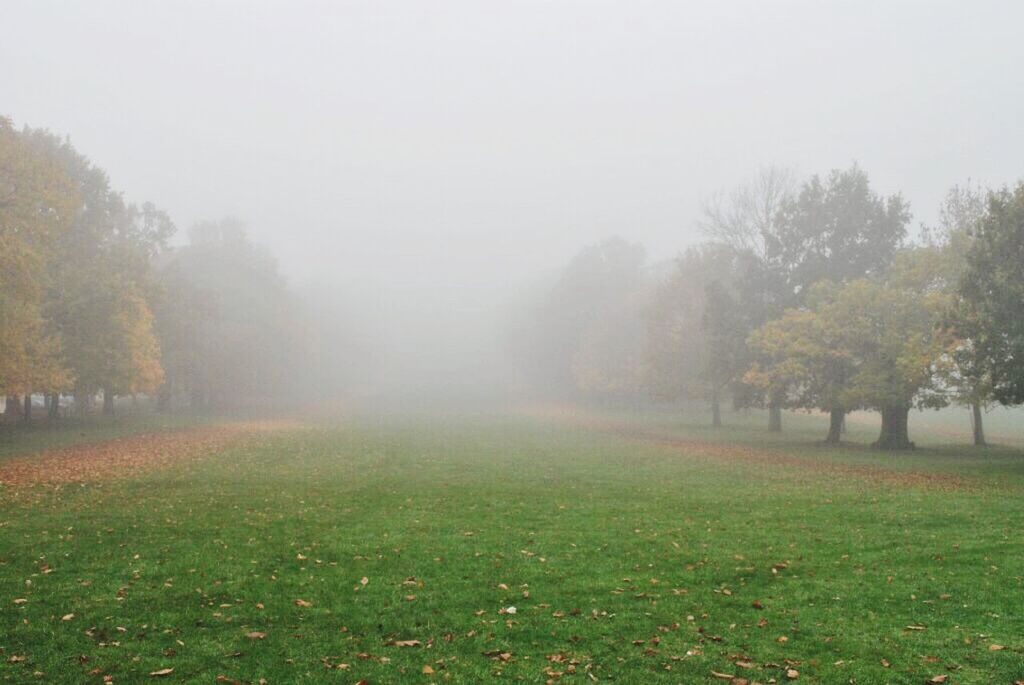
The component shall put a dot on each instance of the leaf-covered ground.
(520, 548)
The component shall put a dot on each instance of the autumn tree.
(37, 201)
(585, 336)
(101, 284)
(872, 343)
(696, 339)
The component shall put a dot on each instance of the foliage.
(993, 294)
(37, 201)
(226, 322)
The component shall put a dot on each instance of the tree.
(746, 220)
(101, 282)
(941, 262)
(586, 335)
(696, 334)
(226, 322)
(37, 201)
(993, 289)
(871, 343)
(838, 229)
(801, 352)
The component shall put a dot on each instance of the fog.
(433, 166)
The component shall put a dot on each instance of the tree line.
(95, 301)
(806, 294)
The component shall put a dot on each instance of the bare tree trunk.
(716, 410)
(835, 426)
(53, 410)
(894, 434)
(979, 429)
(774, 417)
(108, 402)
(26, 413)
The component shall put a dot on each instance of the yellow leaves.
(67, 617)
(162, 672)
(428, 670)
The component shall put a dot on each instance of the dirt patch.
(752, 455)
(127, 456)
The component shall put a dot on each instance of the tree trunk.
(894, 435)
(835, 426)
(26, 413)
(979, 430)
(54, 409)
(12, 409)
(108, 402)
(716, 410)
(774, 417)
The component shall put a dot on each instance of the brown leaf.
(404, 643)
(428, 670)
(255, 635)
(937, 679)
(67, 617)
(722, 676)
(995, 648)
(792, 674)
(303, 603)
(162, 672)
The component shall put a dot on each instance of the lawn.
(521, 548)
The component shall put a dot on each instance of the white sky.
(461, 145)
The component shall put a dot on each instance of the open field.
(634, 549)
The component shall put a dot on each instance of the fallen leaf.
(303, 603)
(428, 670)
(404, 643)
(936, 680)
(792, 674)
(68, 617)
(995, 648)
(255, 635)
(162, 672)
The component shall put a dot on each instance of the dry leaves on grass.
(127, 456)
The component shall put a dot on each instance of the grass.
(626, 561)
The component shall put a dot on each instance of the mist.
(423, 173)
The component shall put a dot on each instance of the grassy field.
(522, 548)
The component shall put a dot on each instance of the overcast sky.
(472, 143)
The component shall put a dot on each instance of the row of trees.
(809, 295)
(94, 300)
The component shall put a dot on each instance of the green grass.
(17, 439)
(616, 540)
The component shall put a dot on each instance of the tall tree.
(101, 282)
(746, 220)
(37, 201)
(942, 260)
(226, 322)
(587, 333)
(993, 290)
(695, 345)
